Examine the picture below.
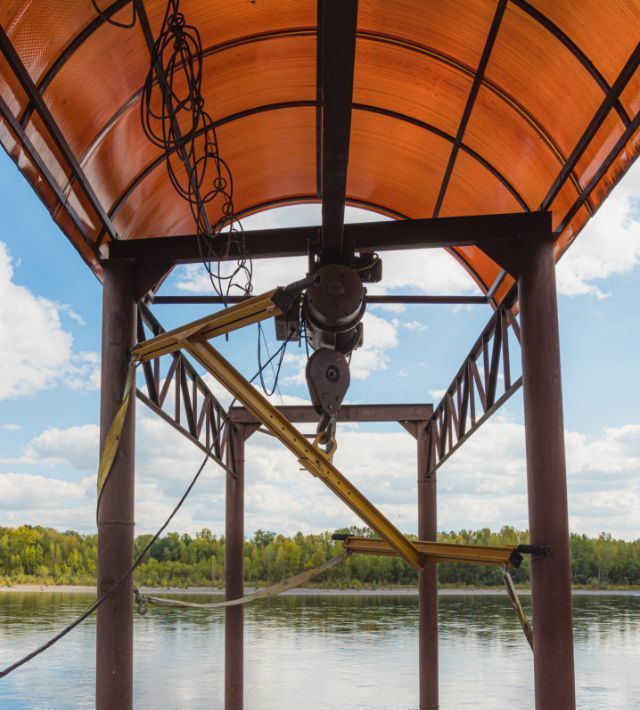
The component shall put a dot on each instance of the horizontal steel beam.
(372, 300)
(378, 236)
(347, 413)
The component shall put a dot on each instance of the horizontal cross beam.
(347, 413)
(377, 236)
(371, 300)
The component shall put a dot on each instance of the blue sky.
(50, 309)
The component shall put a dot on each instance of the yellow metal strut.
(499, 556)
(194, 337)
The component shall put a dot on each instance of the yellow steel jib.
(499, 556)
(244, 313)
(312, 458)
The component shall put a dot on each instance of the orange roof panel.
(422, 110)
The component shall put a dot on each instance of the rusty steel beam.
(393, 235)
(301, 414)
(114, 629)
(427, 577)
(546, 480)
(234, 570)
(337, 24)
(372, 300)
(473, 395)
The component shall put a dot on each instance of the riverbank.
(306, 591)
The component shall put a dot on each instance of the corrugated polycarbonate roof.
(459, 108)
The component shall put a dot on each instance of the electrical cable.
(174, 119)
(276, 370)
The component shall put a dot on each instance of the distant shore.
(383, 592)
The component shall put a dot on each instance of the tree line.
(32, 554)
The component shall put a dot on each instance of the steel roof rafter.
(20, 72)
(551, 27)
(33, 155)
(473, 93)
(604, 110)
(337, 29)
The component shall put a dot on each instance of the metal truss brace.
(472, 397)
(194, 412)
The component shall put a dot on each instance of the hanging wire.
(275, 369)
(106, 18)
(139, 559)
(174, 119)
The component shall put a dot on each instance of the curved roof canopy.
(460, 107)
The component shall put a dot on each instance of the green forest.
(36, 555)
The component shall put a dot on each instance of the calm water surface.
(321, 653)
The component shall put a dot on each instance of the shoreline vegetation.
(34, 558)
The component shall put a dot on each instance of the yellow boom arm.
(500, 556)
(194, 339)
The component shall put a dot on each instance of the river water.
(322, 653)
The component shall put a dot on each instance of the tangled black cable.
(174, 119)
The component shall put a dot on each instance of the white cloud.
(609, 245)
(10, 427)
(483, 484)
(35, 350)
(412, 325)
(24, 491)
(380, 336)
(75, 447)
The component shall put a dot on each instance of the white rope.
(272, 591)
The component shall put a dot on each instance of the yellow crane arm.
(310, 457)
(194, 337)
(501, 556)
(252, 310)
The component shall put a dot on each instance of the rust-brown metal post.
(114, 632)
(428, 577)
(234, 571)
(546, 479)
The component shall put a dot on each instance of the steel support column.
(114, 634)
(234, 571)
(546, 479)
(428, 577)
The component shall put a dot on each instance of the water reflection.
(321, 652)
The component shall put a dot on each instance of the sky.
(50, 313)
